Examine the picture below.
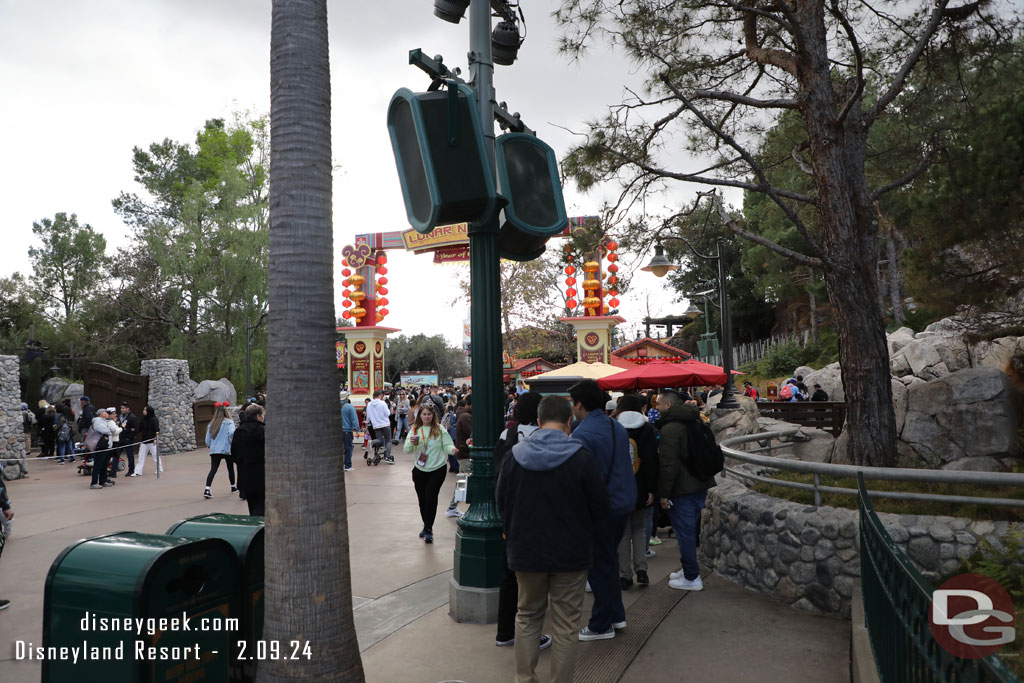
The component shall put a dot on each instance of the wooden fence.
(828, 416)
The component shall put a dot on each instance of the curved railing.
(877, 473)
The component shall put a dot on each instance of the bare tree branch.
(900, 79)
(801, 163)
(761, 55)
(794, 256)
(736, 98)
(926, 162)
(858, 55)
(776, 197)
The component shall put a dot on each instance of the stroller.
(378, 448)
(85, 466)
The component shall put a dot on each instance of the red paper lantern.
(346, 272)
(570, 304)
(346, 303)
(613, 257)
(344, 262)
(383, 301)
(346, 314)
(382, 280)
(613, 268)
(382, 290)
(612, 246)
(382, 259)
(384, 311)
(614, 303)
(569, 270)
(345, 292)
(614, 292)
(570, 292)
(383, 270)
(570, 281)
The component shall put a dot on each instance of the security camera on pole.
(453, 170)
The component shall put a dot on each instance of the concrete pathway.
(401, 587)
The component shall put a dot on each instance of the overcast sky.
(84, 82)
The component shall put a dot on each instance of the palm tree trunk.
(307, 577)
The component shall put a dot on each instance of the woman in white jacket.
(108, 431)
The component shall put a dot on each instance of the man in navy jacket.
(609, 442)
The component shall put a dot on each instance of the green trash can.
(245, 534)
(140, 607)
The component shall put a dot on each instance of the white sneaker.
(453, 512)
(586, 634)
(650, 553)
(684, 584)
(588, 588)
(619, 625)
(677, 574)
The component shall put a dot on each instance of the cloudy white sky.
(84, 82)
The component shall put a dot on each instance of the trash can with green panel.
(245, 534)
(139, 607)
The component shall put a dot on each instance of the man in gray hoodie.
(549, 478)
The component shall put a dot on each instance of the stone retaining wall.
(12, 435)
(809, 557)
(170, 394)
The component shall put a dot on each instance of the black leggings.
(428, 486)
(215, 459)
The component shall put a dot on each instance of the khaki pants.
(565, 591)
(633, 547)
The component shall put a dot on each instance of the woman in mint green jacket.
(431, 444)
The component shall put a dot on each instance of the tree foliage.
(68, 264)
(199, 274)
(422, 353)
(719, 74)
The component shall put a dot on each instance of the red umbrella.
(659, 373)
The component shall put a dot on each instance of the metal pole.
(729, 390)
(478, 547)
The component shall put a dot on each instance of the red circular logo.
(359, 347)
(972, 616)
(591, 339)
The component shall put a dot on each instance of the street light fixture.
(660, 266)
(505, 42)
(692, 312)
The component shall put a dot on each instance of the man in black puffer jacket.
(549, 494)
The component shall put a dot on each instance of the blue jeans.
(685, 516)
(401, 425)
(65, 448)
(348, 448)
(604, 574)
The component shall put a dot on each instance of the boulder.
(898, 339)
(830, 379)
(53, 389)
(993, 354)
(803, 371)
(977, 464)
(73, 391)
(729, 423)
(899, 402)
(812, 445)
(931, 356)
(215, 390)
(968, 414)
(839, 454)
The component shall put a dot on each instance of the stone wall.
(12, 439)
(809, 557)
(170, 394)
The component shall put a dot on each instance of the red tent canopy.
(657, 374)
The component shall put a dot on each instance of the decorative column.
(170, 395)
(365, 363)
(12, 437)
(594, 337)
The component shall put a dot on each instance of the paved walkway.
(724, 633)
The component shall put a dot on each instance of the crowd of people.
(610, 471)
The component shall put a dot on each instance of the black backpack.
(704, 457)
(503, 448)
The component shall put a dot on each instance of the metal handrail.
(896, 607)
(878, 473)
